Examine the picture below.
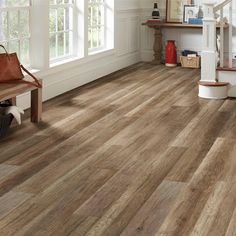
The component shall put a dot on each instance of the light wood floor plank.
(152, 214)
(12, 200)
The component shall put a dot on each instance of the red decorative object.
(171, 54)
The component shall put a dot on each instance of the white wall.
(62, 78)
(185, 38)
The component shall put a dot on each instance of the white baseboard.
(147, 55)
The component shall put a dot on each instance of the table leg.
(157, 47)
(36, 105)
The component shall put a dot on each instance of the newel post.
(209, 53)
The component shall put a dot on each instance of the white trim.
(71, 62)
(216, 93)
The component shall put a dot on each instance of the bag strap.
(36, 83)
(7, 54)
(4, 48)
(34, 78)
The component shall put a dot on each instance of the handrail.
(222, 5)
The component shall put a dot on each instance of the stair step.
(226, 69)
(212, 84)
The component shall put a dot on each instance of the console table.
(157, 26)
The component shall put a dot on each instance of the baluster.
(221, 37)
(230, 34)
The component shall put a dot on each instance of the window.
(45, 33)
(96, 27)
(14, 27)
(61, 28)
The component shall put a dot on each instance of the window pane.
(3, 26)
(68, 42)
(60, 19)
(23, 25)
(60, 2)
(5, 44)
(61, 29)
(14, 46)
(96, 33)
(24, 52)
(68, 1)
(10, 3)
(68, 18)
(94, 45)
(100, 36)
(52, 2)
(52, 20)
(53, 46)
(90, 38)
(60, 49)
(13, 24)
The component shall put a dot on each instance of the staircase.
(218, 72)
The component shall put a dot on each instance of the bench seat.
(12, 90)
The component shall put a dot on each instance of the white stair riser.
(229, 77)
(211, 92)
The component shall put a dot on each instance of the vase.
(171, 54)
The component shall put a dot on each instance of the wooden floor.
(135, 153)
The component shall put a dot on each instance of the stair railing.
(220, 8)
(209, 52)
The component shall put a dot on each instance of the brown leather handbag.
(11, 70)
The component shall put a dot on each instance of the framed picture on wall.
(190, 11)
(175, 10)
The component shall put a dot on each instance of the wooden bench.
(11, 91)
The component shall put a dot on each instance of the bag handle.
(4, 48)
(34, 78)
(36, 83)
(7, 54)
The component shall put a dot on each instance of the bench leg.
(36, 105)
(13, 101)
